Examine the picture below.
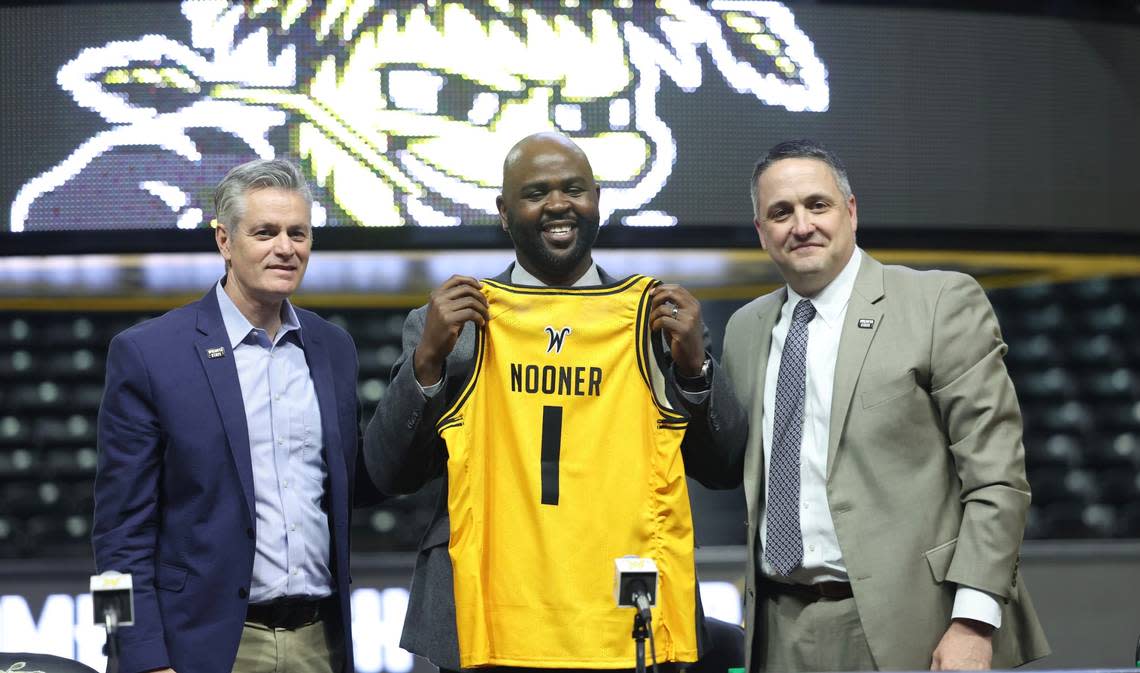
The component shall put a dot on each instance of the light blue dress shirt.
(287, 452)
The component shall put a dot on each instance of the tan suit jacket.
(925, 466)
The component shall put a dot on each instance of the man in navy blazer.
(228, 444)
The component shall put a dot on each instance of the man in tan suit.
(884, 471)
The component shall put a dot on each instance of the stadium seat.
(1059, 450)
(15, 431)
(1119, 416)
(79, 331)
(17, 364)
(377, 360)
(1119, 486)
(13, 541)
(1120, 450)
(1114, 318)
(1096, 350)
(1033, 352)
(1047, 319)
(18, 464)
(73, 429)
(39, 395)
(1031, 295)
(1088, 292)
(81, 363)
(50, 535)
(1070, 520)
(1070, 416)
(1051, 485)
(70, 463)
(1054, 383)
(1117, 383)
(15, 331)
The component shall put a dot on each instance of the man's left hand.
(677, 312)
(968, 645)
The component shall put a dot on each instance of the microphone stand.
(111, 620)
(642, 629)
(640, 633)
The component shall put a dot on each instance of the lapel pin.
(219, 352)
(866, 323)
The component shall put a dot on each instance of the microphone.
(635, 583)
(113, 602)
(635, 586)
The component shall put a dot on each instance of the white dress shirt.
(822, 557)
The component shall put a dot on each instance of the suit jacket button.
(242, 592)
(249, 533)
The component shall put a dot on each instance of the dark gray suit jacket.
(404, 452)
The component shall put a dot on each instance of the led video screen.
(125, 115)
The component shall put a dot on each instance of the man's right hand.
(451, 305)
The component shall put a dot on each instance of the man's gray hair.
(799, 149)
(229, 197)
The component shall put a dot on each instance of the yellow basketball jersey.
(563, 455)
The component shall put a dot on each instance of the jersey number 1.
(551, 448)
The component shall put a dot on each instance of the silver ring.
(675, 312)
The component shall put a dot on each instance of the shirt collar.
(520, 276)
(238, 327)
(832, 300)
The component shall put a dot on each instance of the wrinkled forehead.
(275, 206)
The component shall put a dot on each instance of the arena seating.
(1073, 356)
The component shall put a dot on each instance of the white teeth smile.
(559, 230)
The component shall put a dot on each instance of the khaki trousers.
(811, 635)
(313, 648)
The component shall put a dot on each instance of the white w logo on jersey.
(557, 338)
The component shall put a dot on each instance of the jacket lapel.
(320, 370)
(223, 377)
(854, 342)
(757, 366)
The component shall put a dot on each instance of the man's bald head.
(537, 144)
(549, 206)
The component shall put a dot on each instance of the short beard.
(547, 262)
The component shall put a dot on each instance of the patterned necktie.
(784, 550)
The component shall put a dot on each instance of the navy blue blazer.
(174, 501)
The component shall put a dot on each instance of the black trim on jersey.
(644, 351)
(455, 422)
(597, 290)
(451, 417)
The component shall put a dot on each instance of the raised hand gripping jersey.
(563, 455)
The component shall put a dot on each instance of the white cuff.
(971, 603)
(432, 390)
(694, 397)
